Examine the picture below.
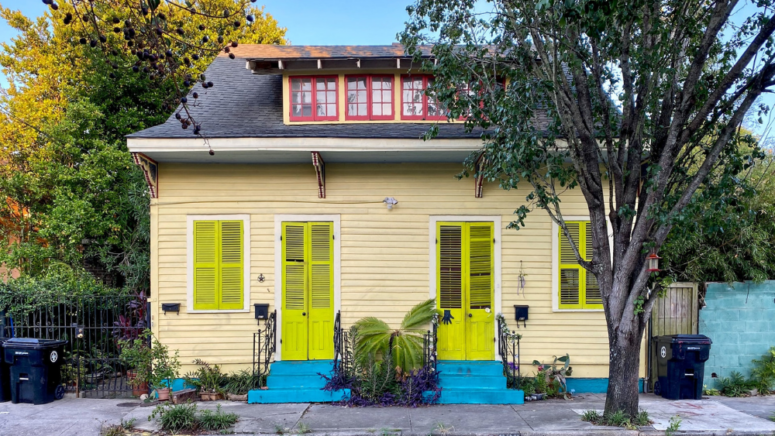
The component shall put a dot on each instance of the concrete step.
(274, 381)
(480, 396)
(301, 367)
(462, 367)
(452, 381)
(277, 396)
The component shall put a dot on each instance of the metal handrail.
(264, 345)
(430, 343)
(508, 348)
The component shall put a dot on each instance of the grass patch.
(216, 420)
(617, 419)
(675, 424)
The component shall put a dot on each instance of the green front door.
(464, 290)
(308, 291)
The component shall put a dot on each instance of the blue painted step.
(475, 382)
(297, 382)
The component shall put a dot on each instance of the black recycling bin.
(681, 366)
(5, 382)
(35, 369)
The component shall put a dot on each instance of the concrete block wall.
(740, 320)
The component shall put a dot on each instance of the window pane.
(362, 110)
(352, 109)
(321, 97)
(387, 96)
(307, 97)
(377, 109)
(352, 97)
(297, 110)
(296, 84)
(306, 111)
(320, 85)
(331, 96)
(306, 84)
(331, 110)
(295, 97)
(387, 109)
(321, 110)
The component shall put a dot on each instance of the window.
(415, 104)
(578, 288)
(369, 97)
(314, 98)
(218, 265)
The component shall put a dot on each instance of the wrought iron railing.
(93, 327)
(430, 342)
(264, 346)
(343, 351)
(508, 348)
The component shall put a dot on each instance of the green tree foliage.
(635, 103)
(69, 185)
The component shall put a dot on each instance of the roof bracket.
(320, 64)
(398, 63)
(320, 171)
(150, 171)
(358, 62)
(280, 65)
(479, 178)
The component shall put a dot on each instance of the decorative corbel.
(320, 171)
(479, 178)
(150, 170)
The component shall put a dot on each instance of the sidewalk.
(716, 416)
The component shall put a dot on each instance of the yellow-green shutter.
(480, 273)
(321, 290)
(451, 284)
(218, 265)
(578, 288)
(231, 266)
(205, 265)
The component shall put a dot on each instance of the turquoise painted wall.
(592, 385)
(740, 320)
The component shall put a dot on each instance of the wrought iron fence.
(92, 327)
(508, 348)
(264, 345)
(430, 342)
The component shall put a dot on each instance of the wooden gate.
(674, 314)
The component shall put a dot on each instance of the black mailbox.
(262, 311)
(520, 314)
(170, 307)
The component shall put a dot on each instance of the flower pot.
(235, 397)
(164, 394)
(137, 390)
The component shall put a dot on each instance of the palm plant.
(375, 338)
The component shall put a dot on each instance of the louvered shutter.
(570, 270)
(293, 266)
(450, 267)
(480, 265)
(231, 265)
(592, 296)
(321, 290)
(205, 265)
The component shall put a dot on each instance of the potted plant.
(164, 369)
(208, 380)
(137, 356)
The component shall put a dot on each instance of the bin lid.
(690, 339)
(32, 343)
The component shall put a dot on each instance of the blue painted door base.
(297, 382)
(475, 382)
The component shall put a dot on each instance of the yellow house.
(311, 191)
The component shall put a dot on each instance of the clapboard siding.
(384, 260)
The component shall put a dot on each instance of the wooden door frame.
(496, 249)
(278, 267)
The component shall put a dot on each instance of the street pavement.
(713, 416)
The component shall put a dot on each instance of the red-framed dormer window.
(415, 104)
(369, 98)
(314, 98)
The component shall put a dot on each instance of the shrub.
(763, 373)
(617, 419)
(175, 418)
(207, 378)
(735, 385)
(243, 381)
(216, 420)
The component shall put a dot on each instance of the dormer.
(347, 84)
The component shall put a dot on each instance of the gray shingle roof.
(244, 105)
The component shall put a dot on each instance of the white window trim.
(556, 262)
(278, 268)
(496, 248)
(245, 260)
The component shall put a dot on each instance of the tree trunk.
(623, 367)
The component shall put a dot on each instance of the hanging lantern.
(653, 261)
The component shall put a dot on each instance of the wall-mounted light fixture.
(390, 202)
(79, 330)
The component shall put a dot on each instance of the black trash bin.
(681, 366)
(5, 382)
(35, 369)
